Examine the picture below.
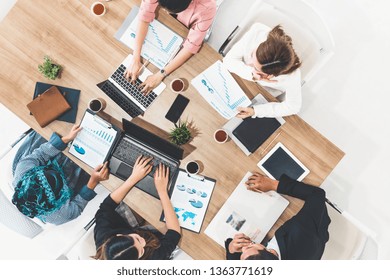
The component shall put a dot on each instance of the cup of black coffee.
(177, 85)
(220, 136)
(97, 105)
(98, 9)
(192, 167)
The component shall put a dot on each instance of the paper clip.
(196, 177)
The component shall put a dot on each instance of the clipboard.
(190, 197)
(94, 143)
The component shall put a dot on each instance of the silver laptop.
(127, 95)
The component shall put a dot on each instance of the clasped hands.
(239, 241)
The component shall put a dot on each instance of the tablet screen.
(281, 161)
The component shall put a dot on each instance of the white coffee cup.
(98, 9)
(221, 136)
(177, 85)
(97, 104)
(192, 167)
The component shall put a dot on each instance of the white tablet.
(280, 161)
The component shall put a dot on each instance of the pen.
(146, 63)
(270, 143)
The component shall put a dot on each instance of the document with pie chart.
(190, 197)
(93, 143)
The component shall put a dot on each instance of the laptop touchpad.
(124, 170)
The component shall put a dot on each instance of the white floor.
(348, 103)
(5, 6)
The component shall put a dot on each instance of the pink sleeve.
(199, 30)
(147, 10)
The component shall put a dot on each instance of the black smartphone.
(177, 108)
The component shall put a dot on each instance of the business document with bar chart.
(161, 43)
(219, 88)
(95, 140)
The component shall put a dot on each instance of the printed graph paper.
(160, 45)
(219, 88)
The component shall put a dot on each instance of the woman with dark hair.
(197, 15)
(267, 57)
(48, 185)
(115, 239)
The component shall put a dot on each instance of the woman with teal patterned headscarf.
(48, 185)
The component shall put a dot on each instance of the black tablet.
(281, 161)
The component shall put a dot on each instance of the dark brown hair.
(277, 55)
(121, 247)
(175, 6)
(263, 255)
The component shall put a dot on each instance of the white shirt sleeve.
(273, 244)
(234, 59)
(289, 84)
(293, 98)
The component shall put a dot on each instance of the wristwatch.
(162, 72)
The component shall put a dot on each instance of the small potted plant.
(49, 69)
(181, 134)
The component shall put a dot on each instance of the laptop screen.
(152, 140)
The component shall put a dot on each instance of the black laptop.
(135, 141)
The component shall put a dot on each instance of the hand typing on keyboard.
(141, 168)
(151, 83)
(161, 179)
(133, 70)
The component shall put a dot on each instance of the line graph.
(218, 87)
(160, 44)
(157, 41)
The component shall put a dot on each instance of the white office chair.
(347, 236)
(311, 37)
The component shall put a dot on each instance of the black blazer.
(109, 223)
(303, 237)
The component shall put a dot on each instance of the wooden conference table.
(85, 46)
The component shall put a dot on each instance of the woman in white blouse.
(268, 57)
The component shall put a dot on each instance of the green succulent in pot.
(49, 69)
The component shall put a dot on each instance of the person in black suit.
(303, 237)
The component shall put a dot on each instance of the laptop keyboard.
(133, 90)
(129, 152)
(127, 105)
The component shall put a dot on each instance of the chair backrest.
(16, 221)
(346, 240)
(84, 248)
(311, 37)
(9, 214)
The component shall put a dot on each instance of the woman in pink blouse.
(197, 15)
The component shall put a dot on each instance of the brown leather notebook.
(48, 106)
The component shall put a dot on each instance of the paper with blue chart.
(161, 43)
(251, 213)
(219, 88)
(94, 141)
(190, 199)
